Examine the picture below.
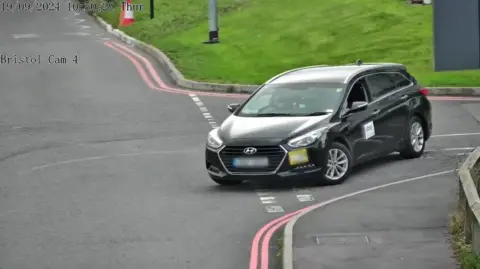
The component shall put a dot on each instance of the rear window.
(400, 80)
(409, 76)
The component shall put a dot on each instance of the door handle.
(403, 98)
(375, 112)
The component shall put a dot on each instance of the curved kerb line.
(163, 86)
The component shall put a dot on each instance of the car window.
(399, 80)
(299, 99)
(380, 84)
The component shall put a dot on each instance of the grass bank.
(260, 38)
(462, 250)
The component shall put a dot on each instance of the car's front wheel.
(226, 182)
(415, 140)
(338, 164)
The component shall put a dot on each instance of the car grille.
(275, 155)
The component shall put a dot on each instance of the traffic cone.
(126, 14)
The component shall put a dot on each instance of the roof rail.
(372, 66)
(362, 63)
(293, 70)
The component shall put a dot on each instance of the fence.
(469, 201)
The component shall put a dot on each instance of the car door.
(390, 112)
(402, 99)
(359, 129)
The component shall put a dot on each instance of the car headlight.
(306, 139)
(213, 140)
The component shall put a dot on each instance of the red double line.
(134, 57)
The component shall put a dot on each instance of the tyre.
(415, 139)
(226, 182)
(338, 165)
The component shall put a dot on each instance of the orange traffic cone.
(126, 14)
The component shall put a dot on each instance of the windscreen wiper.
(273, 114)
(319, 113)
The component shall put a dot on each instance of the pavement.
(101, 168)
(396, 227)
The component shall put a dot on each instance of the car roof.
(328, 74)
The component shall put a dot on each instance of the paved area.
(403, 226)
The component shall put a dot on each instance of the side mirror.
(358, 106)
(233, 107)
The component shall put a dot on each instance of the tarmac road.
(99, 170)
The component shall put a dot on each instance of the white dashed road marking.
(19, 36)
(204, 110)
(462, 134)
(77, 34)
(274, 209)
(77, 21)
(268, 199)
(303, 195)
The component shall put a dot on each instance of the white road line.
(19, 36)
(460, 134)
(77, 34)
(204, 110)
(95, 158)
(268, 200)
(303, 195)
(264, 193)
(449, 149)
(274, 209)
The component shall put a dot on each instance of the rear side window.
(399, 80)
(380, 84)
(409, 76)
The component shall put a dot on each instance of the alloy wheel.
(416, 136)
(337, 164)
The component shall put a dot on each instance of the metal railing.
(469, 200)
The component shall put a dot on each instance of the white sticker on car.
(368, 130)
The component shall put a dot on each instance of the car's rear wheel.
(226, 182)
(415, 139)
(338, 164)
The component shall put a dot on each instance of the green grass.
(462, 250)
(260, 38)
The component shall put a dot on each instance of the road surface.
(99, 170)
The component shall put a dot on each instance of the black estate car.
(318, 122)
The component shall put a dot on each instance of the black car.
(318, 122)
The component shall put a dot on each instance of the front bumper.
(312, 169)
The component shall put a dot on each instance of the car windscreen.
(299, 99)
